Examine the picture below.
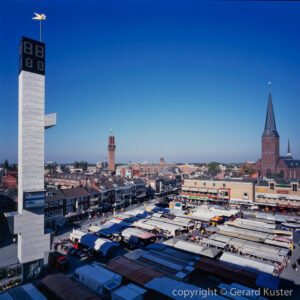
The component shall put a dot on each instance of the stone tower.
(111, 153)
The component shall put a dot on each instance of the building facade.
(278, 194)
(225, 191)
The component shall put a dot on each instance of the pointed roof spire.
(270, 126)
(289, 149)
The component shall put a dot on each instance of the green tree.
(84, 166)
(6, 164)
(213, 167)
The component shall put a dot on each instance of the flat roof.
(66, 289)
(132, 270)
(98, 273)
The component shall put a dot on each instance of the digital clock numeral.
(28, 62)
(28, 47)
(40, 66)
(39, 51)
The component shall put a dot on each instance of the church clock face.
(31, 56)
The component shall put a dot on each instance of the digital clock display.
(31, 56)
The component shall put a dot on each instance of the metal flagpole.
(40, 17)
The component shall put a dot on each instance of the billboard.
(34, 199)
(32, 270)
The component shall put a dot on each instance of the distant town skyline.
(181, 80)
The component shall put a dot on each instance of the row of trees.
(9, 167)
(246, 169)
(81, 165)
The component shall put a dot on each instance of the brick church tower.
(111, 153)
(271, 164)
(269, 143)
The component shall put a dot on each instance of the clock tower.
(28, 223)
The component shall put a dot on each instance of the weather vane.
(40, 17)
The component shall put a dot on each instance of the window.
(46, 214)
(214, 184)
(56, 203)
(46, 205)
(51, 204)
(204, 183)
(224, 184)
(246, 195)
(61, 202)
(272, 186)
(295, 188)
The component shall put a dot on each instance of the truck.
(58, 261)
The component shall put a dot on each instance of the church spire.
(289, 149)
(270, 126)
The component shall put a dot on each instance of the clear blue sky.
(185, 80)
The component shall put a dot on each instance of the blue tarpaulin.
(156, 246)
(267, 281)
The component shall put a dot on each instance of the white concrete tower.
(33, 243)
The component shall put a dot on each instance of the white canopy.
(247, 263)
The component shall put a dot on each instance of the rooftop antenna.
(40, 17)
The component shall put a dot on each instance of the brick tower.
(269, 143)
(111, 153)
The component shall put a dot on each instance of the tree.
(84, 165)
(6, 164)
(247, 169)
(213, 167)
